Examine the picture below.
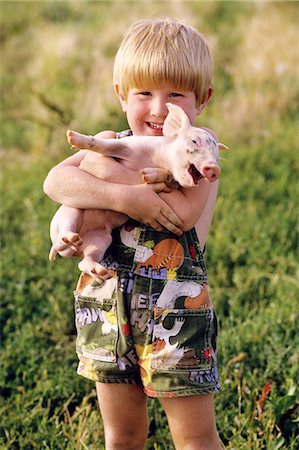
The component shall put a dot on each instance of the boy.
(151, 330)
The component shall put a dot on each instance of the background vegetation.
(56, 73)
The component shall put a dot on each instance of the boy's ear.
(122, 101)
(206, 100)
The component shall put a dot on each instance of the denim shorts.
(153, 324)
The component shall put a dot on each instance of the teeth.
(156, 126)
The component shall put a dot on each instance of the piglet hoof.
(53, 253)
(61, 249)
(67, 245)
(78, 140)
(95, 269)
(72, 240)
(72, 138)
(156, 175)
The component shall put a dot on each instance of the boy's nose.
(159, 108)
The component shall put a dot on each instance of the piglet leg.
(108, 147)
(67, 245)
(78, 140)
(63, 230)
(94, 247)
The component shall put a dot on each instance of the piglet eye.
(194, 142)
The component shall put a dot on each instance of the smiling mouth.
(195, 174)
(156, 126)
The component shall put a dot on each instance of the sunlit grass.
(63, 52)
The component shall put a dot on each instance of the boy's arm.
(67, 184)
(194, 205)
(203, 224)
(182, 201)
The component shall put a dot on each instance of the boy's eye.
(176, 94)
(146, 93)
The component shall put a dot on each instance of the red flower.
(260, 403)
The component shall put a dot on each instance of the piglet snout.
(211, 172)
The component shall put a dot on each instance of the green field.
(55, 74)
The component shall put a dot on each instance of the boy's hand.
(147, 207)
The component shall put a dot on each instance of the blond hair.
(156, 52)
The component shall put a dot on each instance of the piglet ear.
(176, 120)
(222, 146)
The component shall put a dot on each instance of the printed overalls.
(153, 323)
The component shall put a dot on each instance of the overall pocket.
(97, 328)
(183, 339)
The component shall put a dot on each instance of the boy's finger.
(171, 222)
(167, 189)
(162, 222)
(159, 187)
(155, 225)
(171, 227)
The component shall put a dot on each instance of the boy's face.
(146, 108)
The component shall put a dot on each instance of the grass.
(252, 253)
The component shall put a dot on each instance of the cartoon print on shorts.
(166, 355)
(173, 347)
(175, 336)
(162, 256)
(89, 287)
(97, 321)
(184, 294)
(180, 333)
(127, 250)
(129, 235)
(167, 256)
(156, 315)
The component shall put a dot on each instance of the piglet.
(186, 152)
(189, 153)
